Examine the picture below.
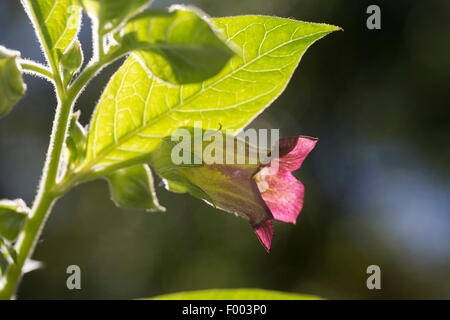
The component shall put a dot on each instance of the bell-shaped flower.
(228, 173)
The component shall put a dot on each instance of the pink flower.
(280, 190)
(258, 193)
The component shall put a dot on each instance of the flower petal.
(284, 196)
(293, 150)
(264, 231)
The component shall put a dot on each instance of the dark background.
(377, 185)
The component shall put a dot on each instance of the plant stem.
(26, 244)
(46, 194)
(49, 189)
(45, 197)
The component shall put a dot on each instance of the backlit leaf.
(137, 110)
(178, 45)
(236, 294)
(57, 23)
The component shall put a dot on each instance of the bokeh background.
(377, 185)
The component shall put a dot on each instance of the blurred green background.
(377, 184)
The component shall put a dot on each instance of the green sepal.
(227, 186)
(132, 187)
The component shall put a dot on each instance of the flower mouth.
(280, 190)
(260, 179)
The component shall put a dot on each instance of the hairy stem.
(50, 190)
(46, 196)
(26, 244)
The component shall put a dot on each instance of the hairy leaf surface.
(57, 23)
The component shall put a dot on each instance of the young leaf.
(178, 45)
(71, 61)
(112, 13)
(136, 110)
(76, 140)
(13, 214)
(132, 187)
(72, 58)
(12, 87)
(236, 294)
(56, 22)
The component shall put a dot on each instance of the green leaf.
(13, 214)
(12, 87)
(132, 187)
(178, 45)
(110, 14)
(137, 110)
(57, 23)
(236, 294)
